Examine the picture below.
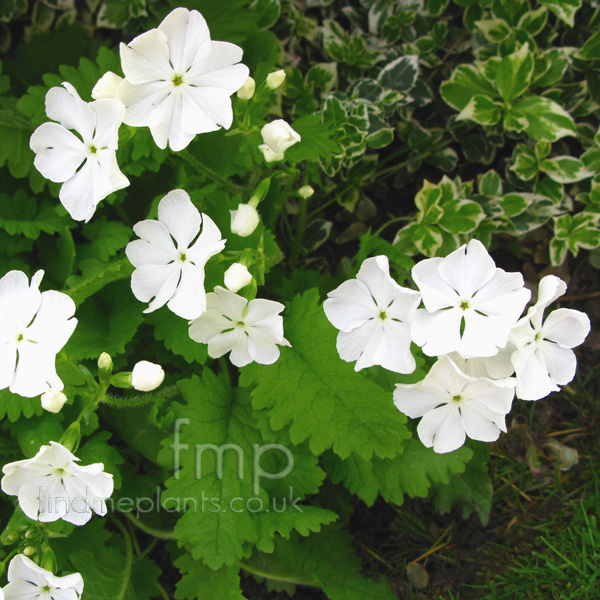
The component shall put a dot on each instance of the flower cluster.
(471, 321)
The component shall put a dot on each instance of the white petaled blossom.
(544, 358)
(244, 220)
(249, 330)
(146, 376)
(470, 304)
(275, 79)
(247, 90)
(236, 277)
(52, 486)
(277, 136)
(373, 314)
(28, 581)
(454, 405)
(178, 81)
(34, 327)
(169, 258)
(86, 163)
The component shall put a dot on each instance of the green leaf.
(514, 72)
(102, 274)
(106, 237)
(408, 474)
(323, 398)
(546, 119)
(461, 216)
(564, 9)
(591, 49)
(534, 21)
(466, 81)
(401, 74)
(579, 231)
(15, 131)
(494, 30)
(199, 582)
(317, 140)
(13, 406)
(219, 474)
(525, 162)
(98, 449)
(173, 332)
(34, 432)
(565, 169)
(482, 110)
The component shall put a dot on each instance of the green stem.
(165, 393)
(276, 577)
(204, 170)
(128, 558)
(225, 368)
(299, 237)
(161, 534)
(391, 222)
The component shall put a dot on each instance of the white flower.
(53, 400)
(34, 326)
(106, 86)
(454, 405)
(146, 376)
(237, 276)
(544, 359)
(251, 330)
(373, 314)
(278, 136)
(275, 79)
(86, 162)
(470, 305)
(28, 581)
(244, 220)
(169, 274)
(178, 82)
(51, 486)
(247, 90)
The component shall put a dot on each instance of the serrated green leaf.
(322, 398)
(199, 582)
(13, 406)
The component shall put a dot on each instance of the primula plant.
(263, 262)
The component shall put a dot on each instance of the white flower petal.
(223, 343)
(533, 380)
(156, 234)
(147, 281)
(350, 305)
(141, 252)
(442, 428)
(210, 324)
(262, 347)
(53, 324)
(435, 290)
(109, 116)
(58, 152)
(189, 299)
(438, 333)
(415, 400)
(477, 426)
(181, 218)
(213, 108)
(186, 32)
(20, 301)
(228, 78)
(503, 296)
(166, 124)
(146, 58)
(66, 107)
(467, 269)
(567, 327)
(35, 372)
(374, 273)
(560, 362)
(212, 58)
(8, 361)
(141, 100)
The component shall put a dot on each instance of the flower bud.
(105, 365)
(247, 90)
(279, 136)
(306, 191)
(269, 155)
(237, 277)
(53, 400)
(275, 79)
(107, 85)
(29, 550)
(146, 376)
(244, 220)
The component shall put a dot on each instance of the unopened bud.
(275, 79)
(146, 376)
(247, 90)
(306, 191)
(107, 85)
(29, 550)
(237, 276)
(53, 400)
(244, 220)
(105, 366)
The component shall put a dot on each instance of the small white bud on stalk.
(106, 86)
(237, 276)
(146, 376)
(244, 220)
(247, 90)
(275, 79)
(306, 191)
(53, 400)
(279, 136)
